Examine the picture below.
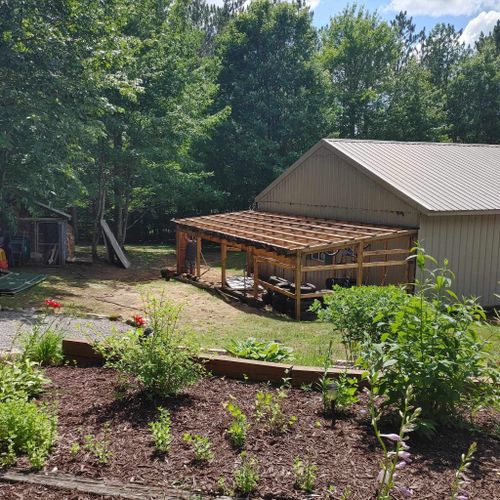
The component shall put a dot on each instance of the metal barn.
(448, 193)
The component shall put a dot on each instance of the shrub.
(431, 343)
(43, 346)
(246, 476)
(252, 348)
(360, 312)
(98, 447)
(25, 429)
(154, 359)
(162, 431)
(20, 380)
(305, 475)
(238, 429)
(201, 447)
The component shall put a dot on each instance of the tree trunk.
(99, 207)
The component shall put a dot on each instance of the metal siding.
(325, 185)
(472, 246)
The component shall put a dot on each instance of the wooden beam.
(276, 262)
(359, 275)
(395, 251)
(223, 259)
(330, 267)
(198, 256)
(255, 277)
(275, 288)
(298, 284)
(385, 263)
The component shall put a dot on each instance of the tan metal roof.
(437, 177)
(286, 233)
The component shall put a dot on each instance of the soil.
(346, 454)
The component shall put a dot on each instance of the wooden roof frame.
(288, 234)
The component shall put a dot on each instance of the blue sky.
(473, 16)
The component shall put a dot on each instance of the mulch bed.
(347, 454)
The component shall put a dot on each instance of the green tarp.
(14, 283)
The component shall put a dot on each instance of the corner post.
(198, 256)
(298, 284)
(255, 277)
(359, 277)
(223, 258)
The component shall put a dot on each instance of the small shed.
(288, 245)
(448, 193)
(44, 239)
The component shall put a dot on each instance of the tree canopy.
(142, 111)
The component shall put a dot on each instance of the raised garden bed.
(347, 455)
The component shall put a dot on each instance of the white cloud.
(484, 22)
(436, 8)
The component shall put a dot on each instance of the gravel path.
(14, 323)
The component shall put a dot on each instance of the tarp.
(14, 283)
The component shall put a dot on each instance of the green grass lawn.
(209, 320)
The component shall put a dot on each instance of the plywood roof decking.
(286, 233)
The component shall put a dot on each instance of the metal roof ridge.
(415, 143)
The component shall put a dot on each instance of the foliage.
(360, 312)
(43, 346)
(273, 92)
(25, 429)
(156, 360)
(252, 348)
(161, 430)
(399, 457)
(20, 380)
(305, 475)
(460, 480)
(202, 447)
(432, 343)
(238, 429)
(268, 410)
(98, 447)
(246, 476)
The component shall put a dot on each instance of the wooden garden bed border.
(83, 354)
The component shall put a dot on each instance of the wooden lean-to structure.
(287, 242)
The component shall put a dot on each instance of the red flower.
(139, 320)
(52, 303)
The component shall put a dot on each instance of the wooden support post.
(223, 258)
(255, 277)
(198, 256)
(298, 284)
(178, 251)
(359, 278)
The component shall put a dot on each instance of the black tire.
(267, 297)
(279, 303)
(275, 280)
(304, 288)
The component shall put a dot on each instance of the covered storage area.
(309, 254)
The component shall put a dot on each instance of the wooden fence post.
(359, 278)
(223, 258)
(298, 284)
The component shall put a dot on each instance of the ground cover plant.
(335, 458)
(20, 379)
(251, 348)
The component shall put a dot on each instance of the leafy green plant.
(98, 447)
(43, 345)
(161, 430)
(155, 360)
(305, 475)
(268, 409)
(431, 342)
(25, 429)
(246, 476)
(398, 457)
(75, 448)
(359, 312)
(20, 380)
(202, 447)
(252, 348)
(458, 491)
(336, 394)
(237, 431)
